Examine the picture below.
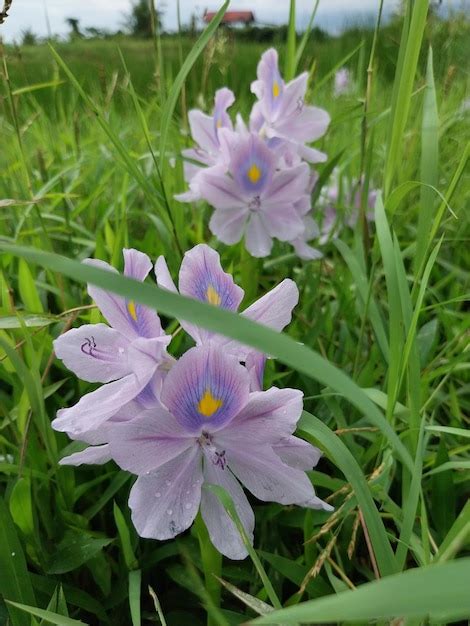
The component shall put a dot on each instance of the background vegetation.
(383, 318)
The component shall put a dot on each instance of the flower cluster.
(180, 423)
(257, 175)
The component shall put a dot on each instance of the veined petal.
(202, 277)
(146, 355)
(205, 389)
(222, 530)
(297, 453)
(94, 352)
(267, 477)
(224, 98)
(274, 309)
(128, 317)
(137, 265)
(162, 273)
(268, 417)
(258, 240)
(165, 502)
(228, 226)
(293, 96)
(283, 220)
(269, 87)
(255, 363)
(203, 131)
(96, 407)
(93, 455)
(149, 441)
(220, 190)
(289, 185)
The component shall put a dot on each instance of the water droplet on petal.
(158, 494)
(168, 482)
(170, 512)
(188, 506)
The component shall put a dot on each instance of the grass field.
(379, 342)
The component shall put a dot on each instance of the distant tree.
(74, 25)
(140, 18)
(28, 38)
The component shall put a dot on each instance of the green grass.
(383, 321)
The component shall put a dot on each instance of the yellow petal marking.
(208, 405)
(212, 296)
(276, 89)
(254, 174)
(219, 123)
(131, 310)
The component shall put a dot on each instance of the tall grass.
(379, 343)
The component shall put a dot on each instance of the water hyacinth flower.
(254, 199)
(201, 277)
(281, 110)
(211, 429)
(125, 356)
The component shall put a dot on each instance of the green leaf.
(30, 320)
(125, 537)
(21, 507)
(312, 428)
(291, 44)
(443, 491)
(74, 550)
(458, 432)
(51, 617)
(135, 582)
(278, 345)
(27, 287)
(178, 82)
(15, 583)
(229, 506)
(429, 163)
(439, 591)
(457, 537)
(403, 88)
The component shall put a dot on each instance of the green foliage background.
(382, 318)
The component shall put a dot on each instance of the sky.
(31, 14)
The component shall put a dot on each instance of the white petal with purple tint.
(165, 502)
(94, 352)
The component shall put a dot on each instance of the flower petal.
(258, 241)
(222, 530)
(283, 221)
(93, 455)
(268, 417)
(203, 131)
(147, 442)
(220, 190)
(252, 165)
(255, 363)
(128, 317)
(274, 309)
(165, 502)
(202, 277)
(289, 185)
(162, 273)
(205, 389)
(268, 478)
(137, 265)
(94, 352)
(297, 453)
(228, 226)
(96, 407)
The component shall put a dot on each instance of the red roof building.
(232, 17)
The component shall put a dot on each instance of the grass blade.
(278, 345)
(438, 591)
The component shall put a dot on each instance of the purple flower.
(283, 109)
(254, 199)
(209, 151)
(201, 277)
(342, 82)
(126, 355)
(213, 430)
